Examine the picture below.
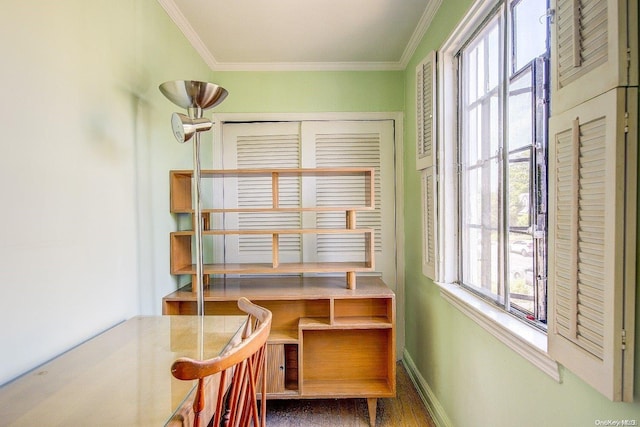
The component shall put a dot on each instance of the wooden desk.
(119, 378)
(326, 341)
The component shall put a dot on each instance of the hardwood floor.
(405, 410)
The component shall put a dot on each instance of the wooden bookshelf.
(182, 261)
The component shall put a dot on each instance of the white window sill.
(525, 340)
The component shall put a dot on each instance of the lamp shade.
(193, 93)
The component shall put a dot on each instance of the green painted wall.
(86, 149)
(477, 380)
(331, 91)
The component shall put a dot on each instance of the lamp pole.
(196, 97)
(197, 224)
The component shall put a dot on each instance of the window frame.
(498, 27)
(527, 340)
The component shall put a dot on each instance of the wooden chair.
(246, 364)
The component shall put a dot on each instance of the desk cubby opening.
(363, 309)
(291, 367)
(342, 361)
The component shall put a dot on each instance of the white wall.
(85, 152)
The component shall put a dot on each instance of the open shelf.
(362, 323)
(340, 361)
(314, 323)
(182, 258)
(274, 231)
(363, 310)
(181, 196)
(348, 388)
(283, 336)
(181, 254)
(282, 268)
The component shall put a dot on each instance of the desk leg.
(372, 402)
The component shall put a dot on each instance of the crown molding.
(183, 24)
(418, 34)
(308, 66)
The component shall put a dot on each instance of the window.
(502, 160)
(492, 182)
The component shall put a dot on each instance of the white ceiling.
(247, 35)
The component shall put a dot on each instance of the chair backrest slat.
(245, 362)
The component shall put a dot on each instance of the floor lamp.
(196, 97)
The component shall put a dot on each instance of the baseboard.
(426, 394)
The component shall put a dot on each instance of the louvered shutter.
(261, 145)
(346, 144)
(429, 223)
(587, 53)
(592, 195)
(425, 111)
(426, 157)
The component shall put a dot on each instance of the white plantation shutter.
(429, 223)
(426, 158)
(261, 145)
(425, 111)
(344, 144)
(592, 193)
(586, 52)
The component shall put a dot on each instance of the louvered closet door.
(261, 145)
(592, 188)
(587, 51)
(344, 144)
